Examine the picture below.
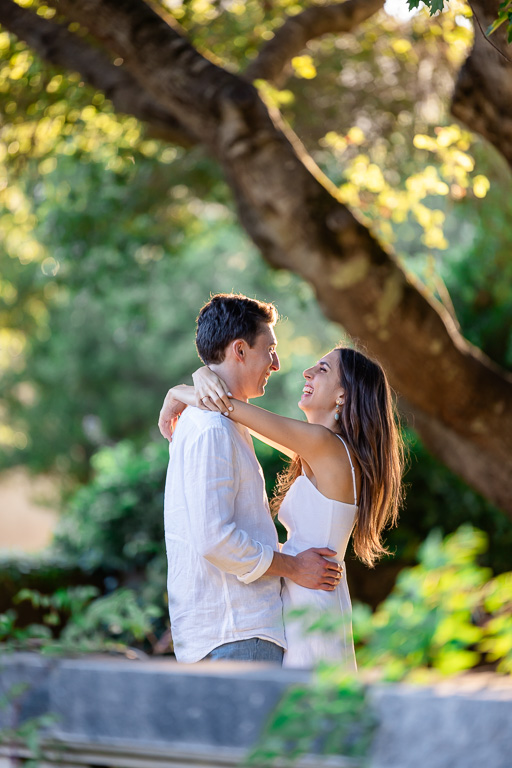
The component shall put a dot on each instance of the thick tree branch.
(289, 40)
(55, 45)
(146, 42)
(292, 213)
(188, 84)
(483, 93)
(462, 457)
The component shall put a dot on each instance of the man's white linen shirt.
(220, 539)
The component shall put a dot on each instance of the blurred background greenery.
(111, 241)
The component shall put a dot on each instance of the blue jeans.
(254, 649)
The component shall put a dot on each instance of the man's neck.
(228, 376)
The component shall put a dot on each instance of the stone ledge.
(140, 714)
(79, 754)
(463, 722)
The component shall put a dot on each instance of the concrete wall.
(138, 714)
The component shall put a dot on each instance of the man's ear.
(238, 349)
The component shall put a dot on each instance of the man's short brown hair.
(230, 316)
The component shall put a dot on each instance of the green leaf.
(436, 5)
(501, 18)
(28, 594)
(451, 662)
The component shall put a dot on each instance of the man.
(222, 548)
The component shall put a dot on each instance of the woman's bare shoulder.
(331, 470)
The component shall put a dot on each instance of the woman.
(344, 476)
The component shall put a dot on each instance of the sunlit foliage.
(447, 614)
(504, 15)
(111, 240)
(98, 247)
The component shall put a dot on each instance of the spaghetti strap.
(351, 467)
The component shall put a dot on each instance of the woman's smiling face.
(322, 387)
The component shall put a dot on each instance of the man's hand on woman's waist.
(308, 569)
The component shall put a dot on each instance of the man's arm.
(211, 484)
(210, 487)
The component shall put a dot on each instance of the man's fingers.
(327, 585)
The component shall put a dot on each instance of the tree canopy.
(131, 135)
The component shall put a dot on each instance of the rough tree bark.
(483, 93)
(460, 401)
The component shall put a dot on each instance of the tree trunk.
(461, 401)
(483, 93)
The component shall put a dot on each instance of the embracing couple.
(231, 587)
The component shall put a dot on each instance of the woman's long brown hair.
(369, 425)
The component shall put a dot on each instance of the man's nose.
(275, 362)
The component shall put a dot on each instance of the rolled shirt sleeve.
(211, 505)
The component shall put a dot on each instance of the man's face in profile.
(261, 360)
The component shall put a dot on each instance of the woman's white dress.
(313, 520)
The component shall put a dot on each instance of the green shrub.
(328, 715)
(85, 621)
(437, 498)
(116, 521)
(447, 613)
